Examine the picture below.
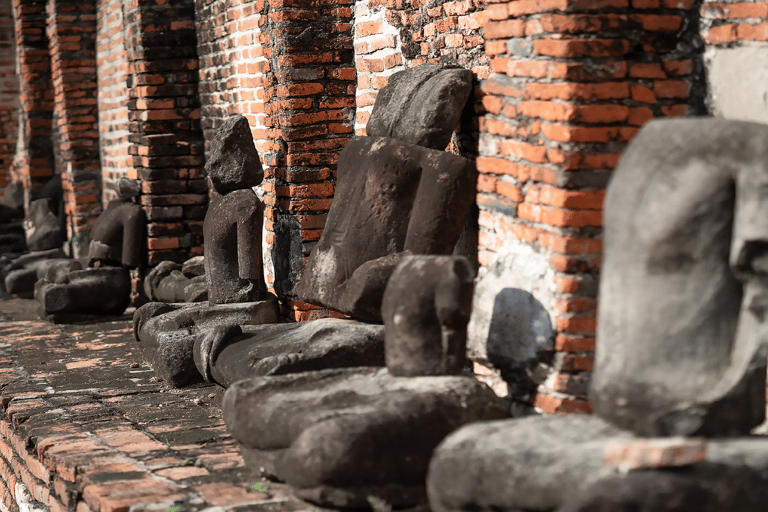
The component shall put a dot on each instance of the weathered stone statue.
(395, 193)
(44, 239)
(172, 282)
(236, 290)
(681, 347)
(105, 286)
(345, 437)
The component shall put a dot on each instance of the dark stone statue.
(172, 282)
(236, 291)
(42, 227)
(681, 346)
(426, 310)
(105, 287)
(421, 105)
(400, 199)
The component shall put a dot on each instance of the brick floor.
(86, 428)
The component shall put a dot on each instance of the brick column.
(112, 71)
(9, 92)
(71, 33)
(164, 124)
(33, 162)
(309, 95)
(574, 81)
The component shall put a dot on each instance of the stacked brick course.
(164, 124)
(9, 92)
(71, 27)
(33, 161)
(573, 83)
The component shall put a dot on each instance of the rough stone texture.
(22, 281)
(167, 332)
(231, 353)
(104, 290)
(118, 235)
(167, 282)
(233, 162)
(533, 463)
(398, 199)
(43, 232)
(194, 267)
(701, 488)
(738, 83)
(426, 308)
(354, 433)
(511, 326)
(682, 302)
(233, 260)
(421, 105)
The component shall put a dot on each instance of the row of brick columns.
(571, 82)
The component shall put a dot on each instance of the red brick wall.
(9, 92)
(33, 161)
(573, 82)
(165, 138)
(71, 28)
(112, 70)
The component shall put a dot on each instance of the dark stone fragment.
(229, 354)
(232, 245)
(167, 332)
(155, 277)
(703, 487)
(426, 309)
(354, 433)
(22, 281)
(118, 235)
(167, 283)
(533, 463)
(194, 267)
(44, 232)
(392, 199)
(421, 105)
(105, 290)
(234, 163)
(683, 291)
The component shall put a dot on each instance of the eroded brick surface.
(87, 430)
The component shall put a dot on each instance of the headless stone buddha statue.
(680, 370)
(116, 245)
(236, 290)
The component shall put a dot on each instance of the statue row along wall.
(138, 88)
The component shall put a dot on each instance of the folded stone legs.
(104, 290)
(345, 437)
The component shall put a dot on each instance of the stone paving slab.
(84, 427)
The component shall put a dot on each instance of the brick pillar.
(33, 162)
(112, 71)
(9, 92)
(309, 95)
(71, 33)
(164, 124)
(574, 81)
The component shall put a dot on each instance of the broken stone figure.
(363, 437)
(173, 282)
(105, 286)
(234, 275)
(44, 240)
(681, 348)
(12, 239)
(393, 198)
